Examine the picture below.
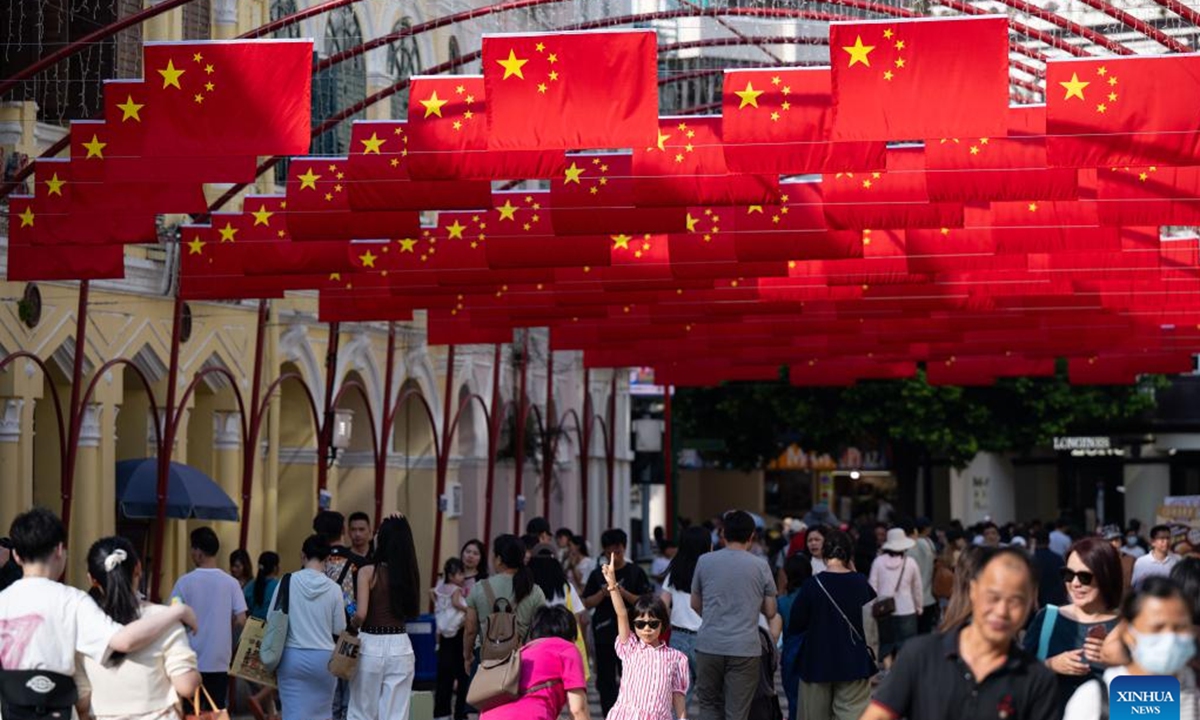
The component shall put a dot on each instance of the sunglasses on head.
(643, 624)
(1068, 575)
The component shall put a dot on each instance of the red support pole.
(497, 418)
(443, 461)
(548, 432)
(519, 436)
(585, 449)
(385, 432)
(325, 436)
(610, 452)
(249, 452)
(74, 412)
(669, 525)
(164, 452)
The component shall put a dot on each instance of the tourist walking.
(677, 594)
(814, 543)
(48, 622)
(654, 680)
(896, 576)
(358, 529)
(798, 570)
(512, 582)
(924, 552)
(315, 616)
(450, 610)
(147, 684)
(1069, 638)
(976, 671)
(389, 595)
(730, 589)
(552, 673)
(835, 664)
(258, 593)
(1157, 562)
(342, 568)
(1159, 635)
(220, 605)
(633, 583)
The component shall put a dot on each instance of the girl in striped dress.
(654, 678)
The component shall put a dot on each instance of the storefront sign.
(1087, 446)
(1182, 514)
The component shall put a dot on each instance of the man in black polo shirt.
(977, 672)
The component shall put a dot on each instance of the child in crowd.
(450, 609)
(655, 680)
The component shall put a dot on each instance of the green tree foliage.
(756, 421)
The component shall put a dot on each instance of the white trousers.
(382, 686)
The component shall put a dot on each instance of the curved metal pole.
(610, 458)
(388, 420)
(57, 399)
(497, 417)
(248, 445)
(325, 437)
(164, 452)
(547, 452)
(519, 435)
(74, 411)
(443, 461)
(289, 20)
(140, 375)
(195, 383)
(366, 399)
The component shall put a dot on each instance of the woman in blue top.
(259, 592)
(797, 569)
(834, 663)
(1069, 638)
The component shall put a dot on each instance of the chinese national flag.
(571, 90)
(90, 212)
(124, 111)
(923, 78)
(1149, 195)
(232, 98)
(709, 249)
(594, 194)
(687, 167)
(895, 198)
(212, 266)
(28, 262)
(1010, 167)
(318, 205)
(460, 254)
(378, 168)
(454, 327)
(777, 121)
(1123, 111)
(448, 135)
(521, 236)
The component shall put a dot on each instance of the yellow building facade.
(132, 320)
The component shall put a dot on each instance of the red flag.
(239, 98)
(318, 205)
(1123, 111)
(86, 212)
(211, 265)
(28, 262)
(922, 78)
(687, 167)
(777, 121)
(448, 135)
(1149, 195)
(595, 195)
(896, 198)
(567, 91)
(521, 236)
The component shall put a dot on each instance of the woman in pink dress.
(654, 677)
(551, 671)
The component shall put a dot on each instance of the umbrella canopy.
(190, 493)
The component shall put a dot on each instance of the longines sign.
(1082, 443)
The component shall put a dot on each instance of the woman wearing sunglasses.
(1069, 638)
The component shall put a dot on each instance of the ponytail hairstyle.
(511, 551)
(268, 565)
(111, 562)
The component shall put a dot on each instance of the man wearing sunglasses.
(1159, 560)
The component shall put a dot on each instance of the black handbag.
(36, 695)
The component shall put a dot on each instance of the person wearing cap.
(1113, 534)
(895, 575)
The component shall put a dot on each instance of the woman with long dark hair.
(677, 595)
(259, 592)
(513, 581)
(389, 594)
(240, 567)
(148, 683)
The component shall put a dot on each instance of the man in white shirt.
(924, 553)
(43, 622)
(1160, 559)
(1060, 541)
(219, 601)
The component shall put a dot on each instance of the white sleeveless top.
(682, 614)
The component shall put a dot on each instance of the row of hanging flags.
(919, 219)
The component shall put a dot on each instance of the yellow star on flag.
(621, 242)
(508, 211)
(228, 232)
(691, 222)
(573, 174)
(433, 104)
(662, 141)
(754, 209)
(456, 230)
(749, 96)
(54, 185)
(512, 66)
(170, 75)
(262, 216)
(859, 53)
(1074, 87)
(27, 217)
(196, 246)
(408, 245)
(309, 180)
(367, 259)
(95, 148)
(130, 109)
(372, 144)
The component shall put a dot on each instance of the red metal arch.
(462, 406)
(366, 399)
(173, 422)
(409, 394)
(141, 376)
(58, 415)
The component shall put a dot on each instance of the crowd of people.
(874, 620)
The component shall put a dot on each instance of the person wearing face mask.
(1133, 546)
(1159, 635)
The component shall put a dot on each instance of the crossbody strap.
(1047, 630)
(853, 630)
(903, 564)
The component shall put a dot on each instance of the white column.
(227, 444)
